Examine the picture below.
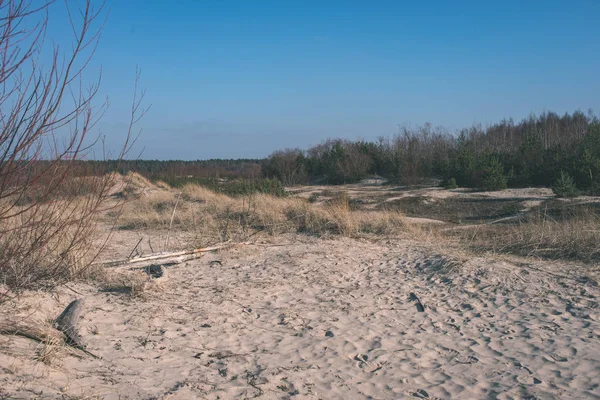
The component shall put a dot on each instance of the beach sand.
(301, 317)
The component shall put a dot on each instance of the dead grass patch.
(50, 352)
(216, 217)
(134, 283)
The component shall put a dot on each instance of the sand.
(326, 319)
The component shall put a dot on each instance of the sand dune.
(329, 319)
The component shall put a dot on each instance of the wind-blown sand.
(328, 319)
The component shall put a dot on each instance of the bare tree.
(286, 165)
(46, 116)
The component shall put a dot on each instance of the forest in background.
(548, 150)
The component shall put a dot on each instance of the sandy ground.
(373, 195)
(327, 319)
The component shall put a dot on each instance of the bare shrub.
(287, 166)
(48, 196)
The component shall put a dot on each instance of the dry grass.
(201, 217)
(134, 283)
(544, 237)
(575, 236)
(216, 217)
(50, 352)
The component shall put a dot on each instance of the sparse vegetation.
(488, 223)
(213, 217)
(575, 235)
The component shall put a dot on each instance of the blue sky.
(231, 79)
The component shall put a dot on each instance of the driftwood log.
(64, 330)
(67, 322)
(179, 255)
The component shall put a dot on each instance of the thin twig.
(135, 248)
(171, 223)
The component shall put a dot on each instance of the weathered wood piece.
(190, 253)
(67, 322)
(413, 297)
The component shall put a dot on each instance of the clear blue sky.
(230, 79)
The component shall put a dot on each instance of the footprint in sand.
(364, 363)
(528, 380)
(466, 360)
(446, 352)
(559, 358)
(420, 394)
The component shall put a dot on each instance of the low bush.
(450, 184)
(492, 177)
(565, 186)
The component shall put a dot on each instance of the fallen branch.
(192, 253)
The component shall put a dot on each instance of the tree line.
(540, 150)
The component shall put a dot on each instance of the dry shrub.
(46, 243)
(133, 283)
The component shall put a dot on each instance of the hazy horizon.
(240, 80)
